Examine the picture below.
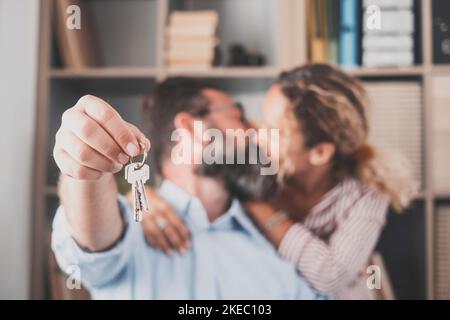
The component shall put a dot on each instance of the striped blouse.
(332, 246)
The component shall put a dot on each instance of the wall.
(18, 57)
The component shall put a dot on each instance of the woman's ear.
(322, 154)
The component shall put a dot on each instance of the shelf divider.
(109, 72)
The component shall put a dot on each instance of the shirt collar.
(192, 212)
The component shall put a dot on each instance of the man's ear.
(185, 121)
(322, 154)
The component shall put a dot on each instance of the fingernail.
(132, 149)
(169, 252)
(123, 158)
(182, 251)
(143, 146)
(188, 244)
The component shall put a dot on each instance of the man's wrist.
(104, 177)
(86, 186)
(92, 211)
(123, 226)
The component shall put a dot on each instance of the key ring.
(141, 164)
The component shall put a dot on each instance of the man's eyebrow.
(239, 106)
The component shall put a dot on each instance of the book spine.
(333, 31)
(388, 59)
(387, 43)
(395, 22)
(349, 53)
(390, 4)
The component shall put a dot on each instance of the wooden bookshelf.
(440, 70)
(124, 73)
(51, 190)
(283, 42)
(387, 72)
(227, 72)
(105, 73)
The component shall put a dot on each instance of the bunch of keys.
(137, 175)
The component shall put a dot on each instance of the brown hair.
(162, 104)
(330, 106)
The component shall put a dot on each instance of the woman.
(336, 187)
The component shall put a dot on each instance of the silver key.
(137, 208)
(143, 174)
(137, 174)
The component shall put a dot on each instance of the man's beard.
(243, 181)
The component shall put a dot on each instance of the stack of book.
(390, 41)
(191, 39)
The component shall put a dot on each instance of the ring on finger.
(161, 223)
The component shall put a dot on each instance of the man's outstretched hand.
(94, 140)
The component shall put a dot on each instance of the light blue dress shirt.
(228, 259)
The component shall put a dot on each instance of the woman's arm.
(162, 227)
(274, 224)
(329, 266)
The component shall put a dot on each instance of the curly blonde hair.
(327, 105)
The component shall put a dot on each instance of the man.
(228, 257)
